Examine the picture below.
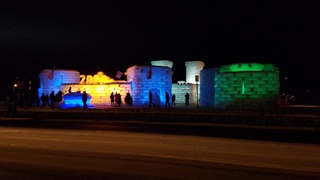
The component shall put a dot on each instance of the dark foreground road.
(286, 117)
(95, 149)
(309, 135)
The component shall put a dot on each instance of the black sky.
(90, 36)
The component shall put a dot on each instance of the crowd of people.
(50, 100)
(167, 102)
(115, 99)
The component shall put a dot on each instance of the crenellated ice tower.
(165, 63)
(60, 76)
(193, 68)
(156, 77)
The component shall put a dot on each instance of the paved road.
(91, 149)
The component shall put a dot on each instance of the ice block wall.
(60, 76)
(207, 87)
(143, 78)
(247, 85)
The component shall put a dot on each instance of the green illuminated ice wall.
(247, 85)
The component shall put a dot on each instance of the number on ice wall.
(99, 78)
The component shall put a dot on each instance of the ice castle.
(234, 85)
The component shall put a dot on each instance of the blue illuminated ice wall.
(74, 99)
(61, 76)
(207, 87)
(157, 79)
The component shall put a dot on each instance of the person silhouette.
(150, 99)
(187, 99)
(84, 100)
(173, 100)
(118, 99)
(112, 99)
(128, 99)
(52, 99)
(167, 100)
(43, 99)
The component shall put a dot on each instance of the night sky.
(92, 36)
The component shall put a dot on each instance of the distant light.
(285, 78)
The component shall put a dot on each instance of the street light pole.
(13, 90)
